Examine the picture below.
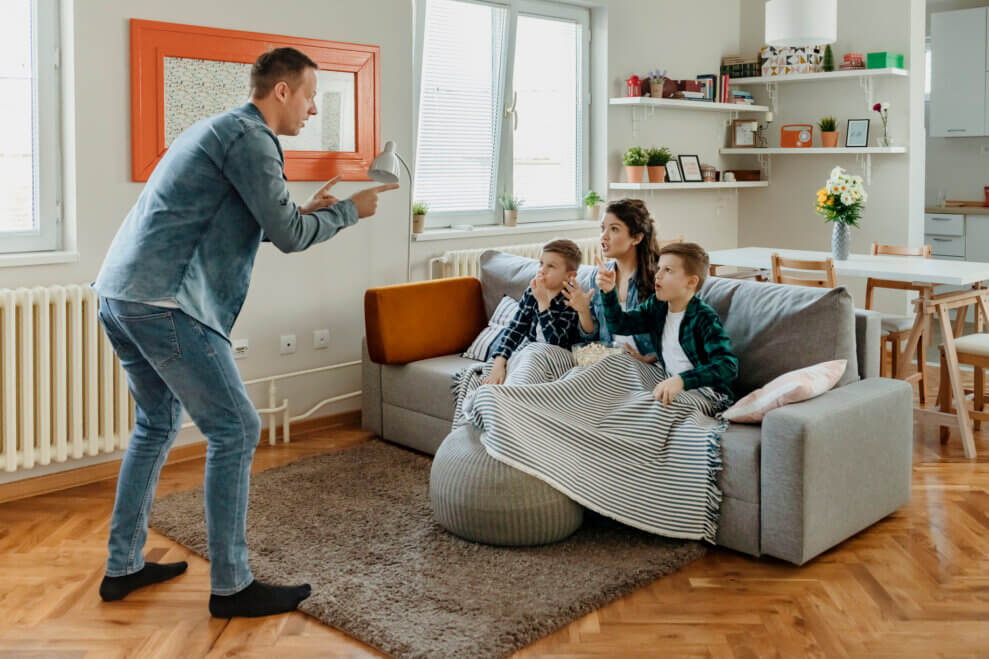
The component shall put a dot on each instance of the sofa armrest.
(833, 465)
(868, 327)
(408, 322)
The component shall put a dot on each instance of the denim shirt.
(192, 236)
(601, 332)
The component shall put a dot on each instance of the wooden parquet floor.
(914, 585)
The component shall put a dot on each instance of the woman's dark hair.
(634, 215)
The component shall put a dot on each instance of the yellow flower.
(831, 201)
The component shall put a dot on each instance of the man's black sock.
(117, 588)
(258, 599)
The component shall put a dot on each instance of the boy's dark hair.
(276, 65)
(567, 249)
(695, 259)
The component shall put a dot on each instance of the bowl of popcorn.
(586, 354)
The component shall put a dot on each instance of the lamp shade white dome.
(801, 22)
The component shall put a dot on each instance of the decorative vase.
(511, 218)
(593, 212)
(656, 173)
(418, 223)
(634, 173)
(829, 138)
(841, 240)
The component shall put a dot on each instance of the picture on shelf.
(690, 166)
(743, 133)
(673, 174)
(857, 133)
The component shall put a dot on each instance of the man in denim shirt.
(171, 287)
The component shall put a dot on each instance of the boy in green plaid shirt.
(692, 344)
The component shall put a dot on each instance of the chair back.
(894, 250)
(825, 268)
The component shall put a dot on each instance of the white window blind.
(29, 160)
(460, 106)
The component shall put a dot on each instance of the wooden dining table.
(969, 275)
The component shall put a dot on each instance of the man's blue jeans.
(173, 361)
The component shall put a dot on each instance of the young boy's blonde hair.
(568, 249)
(695, 260)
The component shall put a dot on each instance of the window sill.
(25, 259)
(501, 230)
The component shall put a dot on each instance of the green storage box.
(883, 60)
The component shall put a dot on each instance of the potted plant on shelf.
(592, 200)
(841, 202)
(510, 204)
(635, 164)
(829, 134)
(419, 210)
(656, 163)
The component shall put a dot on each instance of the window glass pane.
(16, 122)
(548, 142)
(460, 106)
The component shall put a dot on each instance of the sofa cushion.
(740, 462)
(793, 387)
(423, 386)
(776, 328)
(507, 274)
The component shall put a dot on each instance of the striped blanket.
(597, 434)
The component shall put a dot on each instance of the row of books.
(741, 67)
(714, 88)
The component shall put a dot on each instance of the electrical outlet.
(320, 339)
(240, 348)
(288, 344)
(985, 149)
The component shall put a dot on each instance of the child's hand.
(577, 298)
(497, 374)
(540, 292)
(651, 359)
(668, 389)
(605, 278)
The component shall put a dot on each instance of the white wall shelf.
(681, 104)
(822, 76)
(816, 150)
(688, 186)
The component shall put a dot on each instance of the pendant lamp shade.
(801, 22)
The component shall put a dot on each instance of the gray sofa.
(812, 475)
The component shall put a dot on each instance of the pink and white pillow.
(793, 387)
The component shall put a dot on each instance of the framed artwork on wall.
(183, 73)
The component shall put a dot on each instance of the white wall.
(955, 165)
(782, 215)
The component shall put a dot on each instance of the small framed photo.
(690, 167)
(673, 174)
(743, 133)
(857, 133)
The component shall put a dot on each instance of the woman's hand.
(605, 278)
(577, 298)
(651, 359)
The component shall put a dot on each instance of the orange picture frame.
(152, 41)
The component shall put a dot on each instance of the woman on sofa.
(628, 236)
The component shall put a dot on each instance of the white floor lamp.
(384, 168)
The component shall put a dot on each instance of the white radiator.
(63, 393)
(466, 262)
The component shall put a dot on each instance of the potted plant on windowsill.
(635, 160)
(592, 200)
(829, 134)
(656, 163)
(510, 204)
(419, 210)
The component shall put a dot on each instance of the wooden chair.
(896, 329)
(826, 268)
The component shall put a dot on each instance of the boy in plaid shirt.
(692, 344)
(544, 314)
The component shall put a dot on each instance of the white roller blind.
(17, 168)
(461, 100)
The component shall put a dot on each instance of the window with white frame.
(502, 109)
(29, 127)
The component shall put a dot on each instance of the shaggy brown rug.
(356, 524)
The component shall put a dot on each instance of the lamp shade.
(801, 22)
(385, 167)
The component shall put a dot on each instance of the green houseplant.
(829, 132)
(510, 204)
(656, 163)
(635, 160)
(419, 210)
(592, 200)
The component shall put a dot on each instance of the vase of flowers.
(883, 110)
(841, 202)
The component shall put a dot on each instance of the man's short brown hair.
(567, 249)
(695, 259)
(277, 65)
